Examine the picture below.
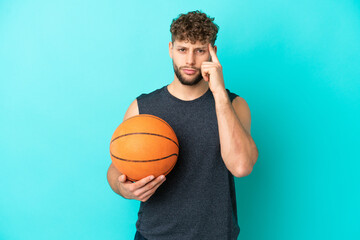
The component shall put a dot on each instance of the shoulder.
(242, 110)
(146, 102)
(151, 94)
(236, 100)
(231, 95)
(132, 110)
(240, 104)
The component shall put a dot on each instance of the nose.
(190, 59)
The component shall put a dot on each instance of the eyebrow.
(179, 46)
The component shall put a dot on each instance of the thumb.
(122, 178)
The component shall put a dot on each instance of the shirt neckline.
(185, 101)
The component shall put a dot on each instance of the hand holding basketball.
(141, 190)
(144, 145)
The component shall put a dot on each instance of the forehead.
(188, 44)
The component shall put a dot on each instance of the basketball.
(144, 145)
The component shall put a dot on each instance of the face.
(187, 59)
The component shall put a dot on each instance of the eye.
(201, 51)
(181, 49)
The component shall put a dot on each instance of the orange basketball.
(144, 145)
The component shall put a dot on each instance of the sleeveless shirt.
(197, 199)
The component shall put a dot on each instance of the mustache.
(190, 68)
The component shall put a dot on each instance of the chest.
(194, 125)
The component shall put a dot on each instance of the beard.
(189, 82)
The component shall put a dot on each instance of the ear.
(170, 49)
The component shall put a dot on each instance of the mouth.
(189, 71)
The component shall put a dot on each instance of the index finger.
(213, 54)
(144, 181)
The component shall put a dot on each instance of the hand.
(141, 190)
(212, 72)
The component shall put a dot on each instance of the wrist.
(221, 97)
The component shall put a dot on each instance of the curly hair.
(194, 26)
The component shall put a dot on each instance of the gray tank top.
(197, 200)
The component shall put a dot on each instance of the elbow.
(246, 169)
(243, 172)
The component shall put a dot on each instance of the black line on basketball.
(160, 119)
(153, 134)
(165, 173)
(133, 180)
(156, 117)
(151, 160)
(170, 168)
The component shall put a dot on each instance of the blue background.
(69, 70)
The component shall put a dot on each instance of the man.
(197, 199)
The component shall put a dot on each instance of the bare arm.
(238, 149)
(141, 190)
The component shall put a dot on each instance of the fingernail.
(162, 177)
(152, 177)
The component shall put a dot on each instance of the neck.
(185, 92)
